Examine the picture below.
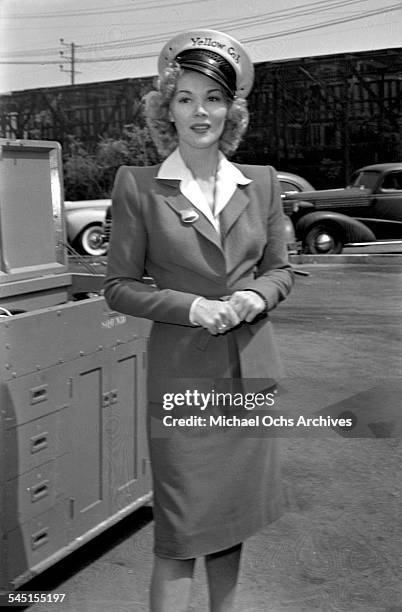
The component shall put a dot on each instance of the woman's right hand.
(215, 315)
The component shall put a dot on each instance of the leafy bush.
(88, 177)
(81, 173)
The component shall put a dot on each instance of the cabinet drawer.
(35, 395)
(36, 540)
(36, 442)
(36, 491)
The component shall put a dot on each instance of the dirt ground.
(338, 547)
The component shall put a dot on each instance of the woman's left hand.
(247, 304)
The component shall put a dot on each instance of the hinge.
(109, 398)
(70, 387)
(72, 502)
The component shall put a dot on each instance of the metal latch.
(109, 398)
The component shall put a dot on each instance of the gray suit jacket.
(187, 260)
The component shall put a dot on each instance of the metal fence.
(321, 117)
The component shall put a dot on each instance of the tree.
(81, 173)
(88, 177)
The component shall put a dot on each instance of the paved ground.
(338, 548)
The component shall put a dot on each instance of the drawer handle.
(38, 394)
(39, 491)
(39, 442)
(40, 538)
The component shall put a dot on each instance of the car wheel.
(323, 240)
(90, 241)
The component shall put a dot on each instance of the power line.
(395, 7)
(243, 22)
(291, 31)
(121, 8)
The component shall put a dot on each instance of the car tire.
(90, 241)
(323, 239)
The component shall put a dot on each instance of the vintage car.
(365, 212)
(292, 183)
(84, 222)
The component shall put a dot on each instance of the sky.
(116, 39)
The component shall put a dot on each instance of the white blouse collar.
(227, 178)
(174, 168)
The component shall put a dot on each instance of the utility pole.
(70, 59)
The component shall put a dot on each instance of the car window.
(286, 186)
(392, 182)
(367, 179)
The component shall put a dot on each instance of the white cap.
(204, 51)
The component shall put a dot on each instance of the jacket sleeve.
(274, 277)
(124, 288)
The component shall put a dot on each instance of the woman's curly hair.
(163, 131)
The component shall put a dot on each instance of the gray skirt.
(213, 486)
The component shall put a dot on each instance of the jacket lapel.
(171, 193)
(233, 210)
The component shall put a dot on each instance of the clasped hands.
(219, 316)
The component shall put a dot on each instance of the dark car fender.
(350, 229)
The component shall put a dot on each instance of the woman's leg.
(222, 573)
(170, 585)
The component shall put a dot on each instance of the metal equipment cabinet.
(73, 456)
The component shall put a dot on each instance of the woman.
(211, 235)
